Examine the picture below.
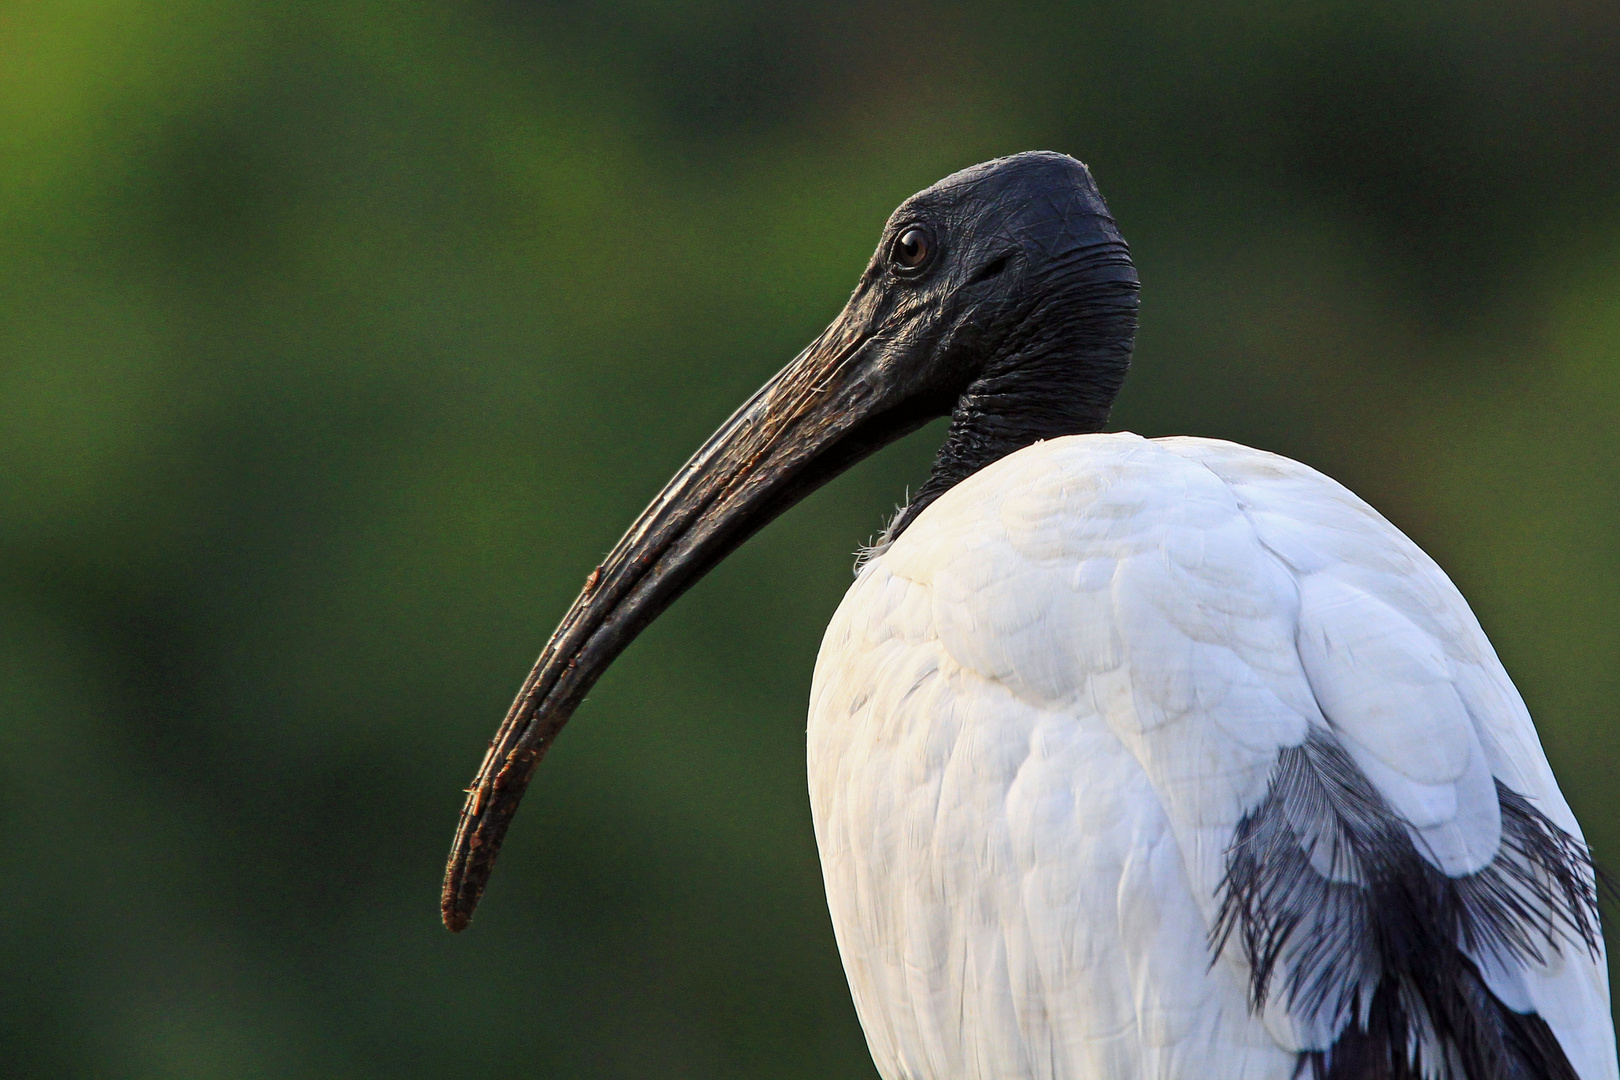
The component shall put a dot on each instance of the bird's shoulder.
(1054, 498)
(1236, 590)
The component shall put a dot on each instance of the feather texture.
(1173, 758)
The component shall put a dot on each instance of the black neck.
(1058, 376)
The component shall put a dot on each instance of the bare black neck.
(1059, 375)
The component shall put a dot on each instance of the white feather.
(1039, 715)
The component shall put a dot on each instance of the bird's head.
(1002, 296)
(991, 268)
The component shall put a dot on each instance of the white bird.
(1128, 758)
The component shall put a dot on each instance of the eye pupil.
(913, 248)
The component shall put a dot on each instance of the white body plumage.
(1040, 715)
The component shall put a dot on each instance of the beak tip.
(477, 843)
(458, 902)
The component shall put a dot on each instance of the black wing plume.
(1335, 907)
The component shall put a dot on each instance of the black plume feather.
(1335, 907)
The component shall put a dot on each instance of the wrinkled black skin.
(1033, 299)
(1019, 327)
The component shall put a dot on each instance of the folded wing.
(1362, 807)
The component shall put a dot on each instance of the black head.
(1011, 291)
(1002, 296)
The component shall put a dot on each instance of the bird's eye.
(912, 251)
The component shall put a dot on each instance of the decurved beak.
(843, 397)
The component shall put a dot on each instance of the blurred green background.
(339, 340)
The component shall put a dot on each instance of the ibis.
(1128, 758)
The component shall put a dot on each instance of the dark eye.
(912, 251)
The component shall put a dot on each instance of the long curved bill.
(834, 404)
